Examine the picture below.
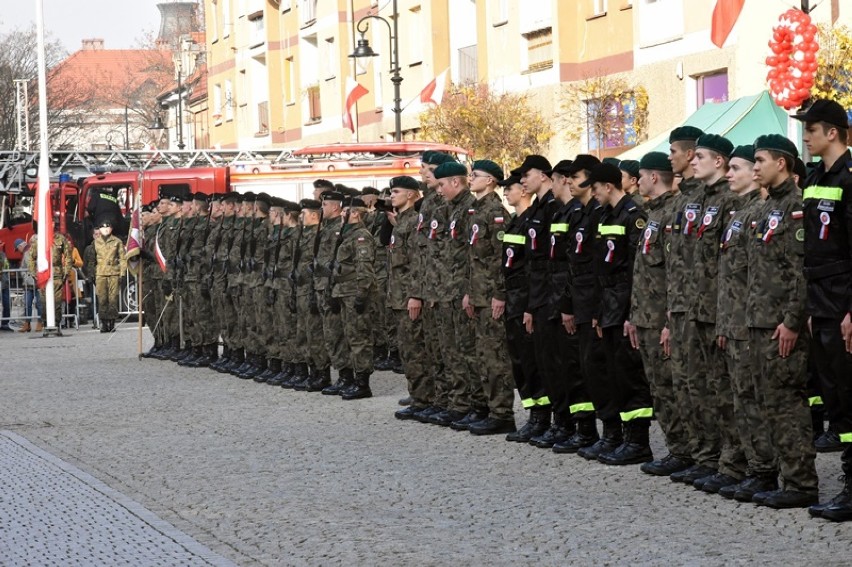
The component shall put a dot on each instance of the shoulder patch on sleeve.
(640, 223)
(800, 235)
(797, 214)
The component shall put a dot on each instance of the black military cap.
(563, 167)
(369, 191)
(276, 203)
(290, 206)
(715, 142)
(310, 205)
(776, 143)
(147, 208)
(603, 173)
(179, 199)
(655, 161)
(263, 198)
(355, 202)
(323, 183)
(584, 162)
(827, 111)
(332, 196)
(199, 196)
(685, 134)
(232, 197)
(535, 161)
(801, 171)
(509, 181)
(437, 158)
(105, 223)
(450, 169)
(631, 166)
(249, 196)
(745, 152)
(489, 167)
(517, 171)
(404, 182)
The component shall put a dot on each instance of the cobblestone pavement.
(265, 476)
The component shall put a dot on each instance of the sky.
(121, 23)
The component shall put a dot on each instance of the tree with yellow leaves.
(833, 79)
(502, 127)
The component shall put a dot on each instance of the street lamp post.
(180, 143)
(363, 49)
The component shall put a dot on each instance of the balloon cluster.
(793, 62)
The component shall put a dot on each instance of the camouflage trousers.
(57, 301)
(203, 330)
(357, 335)
(781, 385)
(706, 374)
(256, 316)
(680, 371)
(753, 436)
(223, 311)
(107, 288)
(232, 324)
(458, 345)
(493, 365)
(332, 332)
(151, 305)
(309, 334)
(170, 318)
(282, 328)
(412, 352)
(434, 356)
(384, 326)
(659, 373)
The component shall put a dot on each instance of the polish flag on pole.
(434, 91)
(725, 15)
(134, 240)
(354, 91)
(43, 215)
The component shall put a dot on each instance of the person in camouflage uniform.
(719, 450)
(354, 287)
(268, 333)
(63, 263)
(775, 315)
(218, 245)
(111, 265)
(167, 243)
(732, 332)
(151, 275)
(467, 403)
(485, 300)
(384, 325)
(182, 280)
(236, 249)
(648, 310)
(405, 191)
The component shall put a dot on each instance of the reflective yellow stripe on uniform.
(559, 227)
(588, 406)
(846, 437)
(820, 192)
(647, 413)
(545, 401)
(611, 229)
(514, 239)
(528, 403)
(815, 401)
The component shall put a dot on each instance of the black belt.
(826, 270)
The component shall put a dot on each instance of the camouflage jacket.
(256, 251)
(280, 257)
(167, 237)
(648, 299)
(485, 247)
(216, 251)
(776, 284)
(374, 222)
(304, 259)
(733, 269)
(402, 252)
(183, 246)
(718, 203)
(687, 208)
(111, 259)
(455, 260)
(328, 235)
(150, 268)
(354, 267)
(61, 257)
(429, 240)
(238, 241)
(198, 263)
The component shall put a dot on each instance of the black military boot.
(395, 362)
(828, 442)
(153, 351)
(839, 508)
(220, 360)
(164, 351)
(666, 466)
(492, 426)
(473, 416)
(609, 441)
(256, 370)
(300, 374)
(320, 380)
(184, 353)
(345, 379)
(237, 359)
(561, 430)
(245, 366)
(189, 360)
(273, 367)
(636, 448)
(380, 358)
(284, 373)
(585, 436)
(360, 388)
(537, 424)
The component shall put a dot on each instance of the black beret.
(612, 160)
(745, 152)
(685, 134)
(776, 143)
(535, 161)
(655, 161)
(715, 142)
(105, 222)
(355, 202)
(202, 197)
(310, 204)
(263, 198)
(800, 170)
(332, 196)
(323, 183)
(249, 196)
(290, 206)
(276, 202)
(631, 166)
(176, 199)
(369, 191)
(489, 167)
(404, 182)
(232, 197)
(603, 173)
(450, 169)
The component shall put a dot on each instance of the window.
(307, 12)
(599, 7)
(289, 81)
(415, 41)
(712, 88)
(314, 109)
(263, 118)
(217, 103)
(214, 20)
(499, 12)
(229, 100)
(257, 29)
(468, 71)
(539, 49)
(330, 59)
(610, 123)
(226, 18)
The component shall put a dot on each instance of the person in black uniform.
(620, 229)
(828, 271)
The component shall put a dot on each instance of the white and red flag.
(725, 16)
(45, 239)
(354, 91)
(434, 91)
(134, 240)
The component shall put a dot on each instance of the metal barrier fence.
(73, 312)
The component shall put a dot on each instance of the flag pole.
(44, 170)
(137, 205)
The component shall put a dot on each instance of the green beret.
(655, 161)
(450, 169)
(290, 206)
(685, 134)
(437, 158)
(631, 166)
(404, 182)
(716, 143)
(488, 167)
(612, 161)
(745, 152)
(776, 143)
